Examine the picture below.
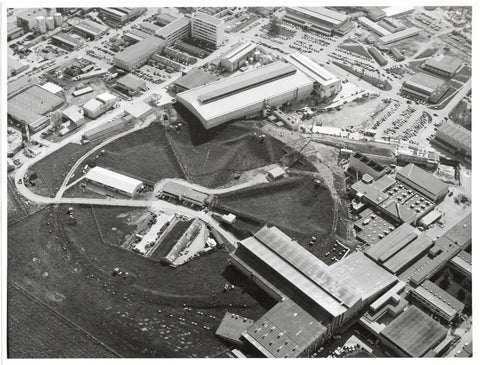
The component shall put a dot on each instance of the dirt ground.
(70, 269)
(355, 114)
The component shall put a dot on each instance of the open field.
(292, 204)
(53, 168)
(37, 331)
(143, 154)
(69, 268)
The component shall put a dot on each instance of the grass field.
(70, 269)
(143, 154)
(37, 331)
(212, 157)
(292, 204)
(53, 168)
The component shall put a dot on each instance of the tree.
(446, 281)
(461, 295)
(274, 27)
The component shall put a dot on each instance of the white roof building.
(53, 88)
(113, 180)
(138, 110)
(107, 98)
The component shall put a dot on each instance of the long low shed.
(113, 180)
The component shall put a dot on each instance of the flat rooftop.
(392, 243)
(447, 64)
(232, 326)
(424, 82)
(461, 233)
(408, 254)
(311, 68)
(406, 33)
(33, 103)
(422, 178)
(90, 26)
(131, 82)
(439, 298)
(455, 133)
(172, 27)
(148, 46)
(207, 18)
(322, 13)
(414, 332)
(195, 78)
(286, 330)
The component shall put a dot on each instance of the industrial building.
(437, 301)
(231, 328)
(247, 94)
(445, 66)
(327, 296)
(362, 164)
(139, 110)
(28, 18)
(394, 11)
(463, 263)
(14, 31)
(207, 28)
(130, 85)
(178, 29)
(90, 29)
(423, 182)
(398, 36)
(114, 181)
(74, 115)
(318, 19)
(120, 16)
(455, 137)
(96, 107)
(138, 54)
(16, 66)
(377, 56)
(413, 333)
(53, 88)
(232, 60)
(182, 193)
(31, 107)
(374, 27)
(194, 78)
(424, 86)
(106, 128)
(325, 84)
(66, 41)
(135, 35)
(148, 28)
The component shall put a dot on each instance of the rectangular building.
(90, 29)
(455, 137)
(102, 103)
(207, 28)
(398, 36)
(107, 128)
(66, 41)
(231, 328)
(377, 56)
(446, 66)
(148, 28)
(413, 333)
(318, 19)
(422, 85)
(365, 165)
(423, 182)
(232, 59)
(14, 31)
(31, 107)
(130, 85)
(374, 27)
(438, 301)
(247, 94)
(114, 181)
(176, 30)
(194, 78)
(325, 84)
(138, 54)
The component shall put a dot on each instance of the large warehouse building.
(30, 108)
(325, 84)
(424, 86)
(247, 94)
(114, 181)
(423, 182)
(455, 137)
(138, 54)
(446, 66)
(319, 19)
(326, 296)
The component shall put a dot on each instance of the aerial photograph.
(238, 182)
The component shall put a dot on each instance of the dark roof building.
(413, 333)
(446, 66)
(456, 137)
(404, 257)
(422, 85)
(437, 300)
(130, 84)
(423, 182)
(232, 326)
(195, 78)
